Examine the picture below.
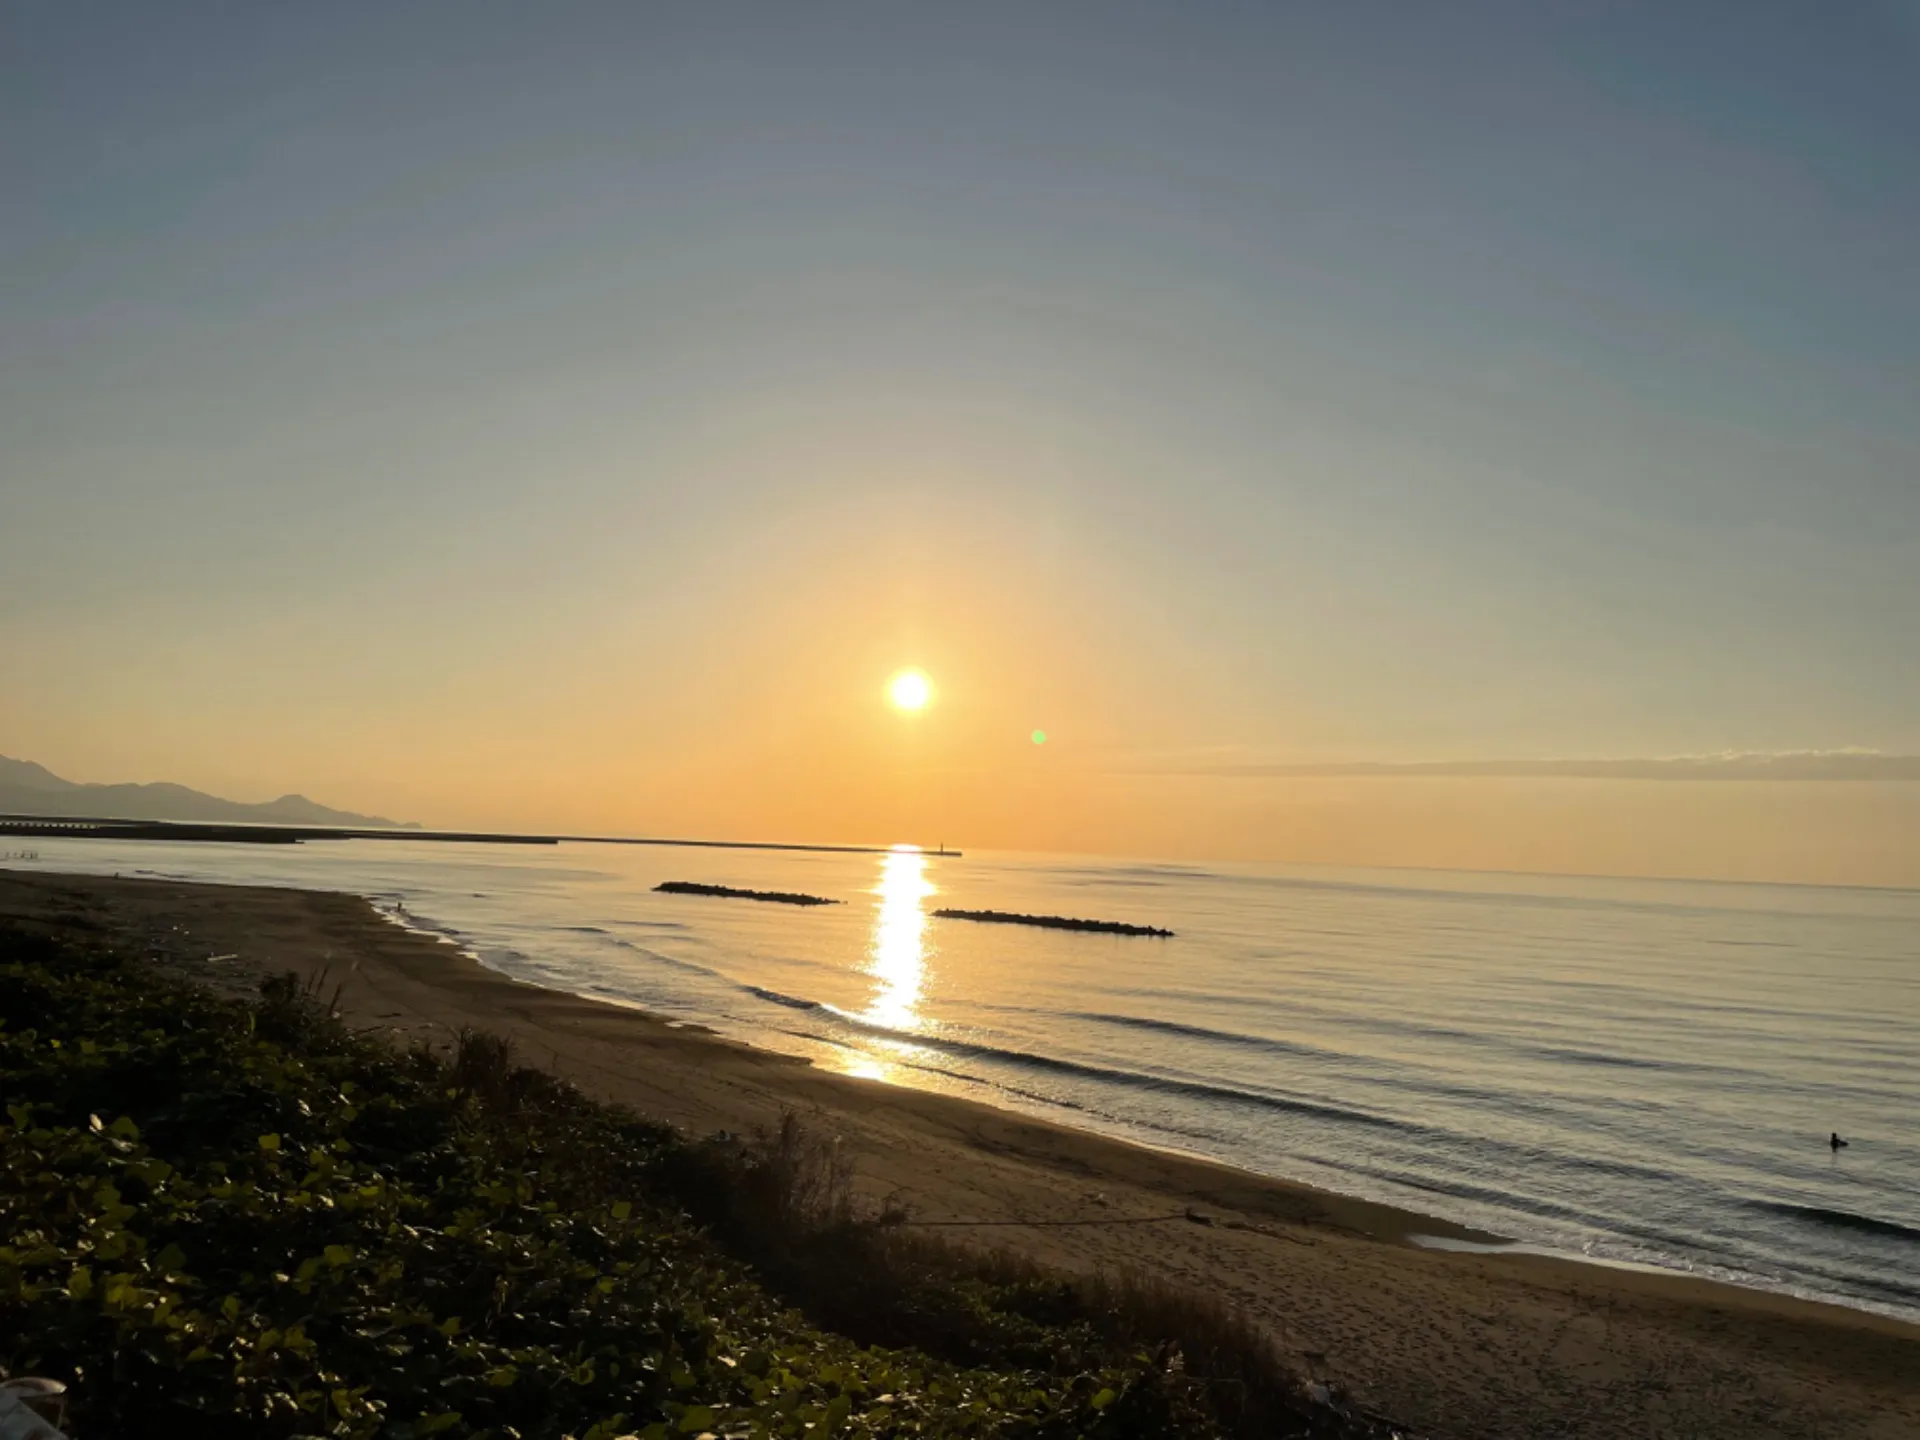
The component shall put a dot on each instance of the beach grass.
(225, 1218)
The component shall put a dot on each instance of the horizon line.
(77, 827)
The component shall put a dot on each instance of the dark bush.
(231, 1220)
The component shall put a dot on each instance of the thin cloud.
(1803, 765)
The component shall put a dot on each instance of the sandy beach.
(1452, 1344)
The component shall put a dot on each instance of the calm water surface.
(1639, 1071)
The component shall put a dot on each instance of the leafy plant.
(230, 1220)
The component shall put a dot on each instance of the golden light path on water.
(896, 954)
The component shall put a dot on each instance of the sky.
(570, 416)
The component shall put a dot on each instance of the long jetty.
(88, 827)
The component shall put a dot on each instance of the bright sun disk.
(910, 690)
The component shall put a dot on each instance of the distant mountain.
(30, 789)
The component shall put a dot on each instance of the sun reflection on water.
(896, 954)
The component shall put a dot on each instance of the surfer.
(1835, 1142)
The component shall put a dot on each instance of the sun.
(910, 690)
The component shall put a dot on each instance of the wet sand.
(1455, 1344)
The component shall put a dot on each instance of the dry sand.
(1454, 1345)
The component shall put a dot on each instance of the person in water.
(1836, 1142)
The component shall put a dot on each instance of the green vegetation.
(244, 1220)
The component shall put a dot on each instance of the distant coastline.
(94, 827)
(29, 789)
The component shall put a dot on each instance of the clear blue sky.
(1397, 382)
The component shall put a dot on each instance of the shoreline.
(1432, 1228)
(1428, 1229)
(1424, 1228)
(1498, 1342)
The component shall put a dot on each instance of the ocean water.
(1635, 1071)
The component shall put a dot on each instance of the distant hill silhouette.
(30, 789)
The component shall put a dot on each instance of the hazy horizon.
(1348, 435)
(1496, 860)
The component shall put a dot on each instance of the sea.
(1634, 1072)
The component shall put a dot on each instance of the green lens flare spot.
(1039, 737)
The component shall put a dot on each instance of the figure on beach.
(1835, 1142)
